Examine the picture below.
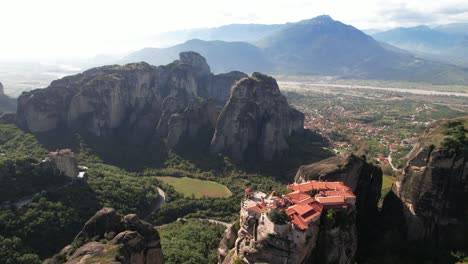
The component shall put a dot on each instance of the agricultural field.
(196, 188)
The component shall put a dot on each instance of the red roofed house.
(256, 209)
(301, 208)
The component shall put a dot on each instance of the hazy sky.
(79, 28)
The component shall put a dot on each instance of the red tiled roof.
(257, 207)
(330, 199)
(297, 196)
(299, 223)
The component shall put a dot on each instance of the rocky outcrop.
(428, 200)
(65, 161)
(1, 89)
(130, 240)
(365, 180)
(337, 244)
(227, 243)
(256, 121)
(135, 99)
(327, 240)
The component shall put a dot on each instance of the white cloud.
(77, 28)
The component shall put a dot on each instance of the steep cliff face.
(1, 89)
(337, 243)
(65, 161)
(365, 181)
(327, 240)
(136, 98)
(195, 123)
(256, 121)
(428, 199)
(130, 240)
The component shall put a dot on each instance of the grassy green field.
(198, 188)
(387, 182)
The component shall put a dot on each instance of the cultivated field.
(198, 188)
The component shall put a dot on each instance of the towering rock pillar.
(256, 121)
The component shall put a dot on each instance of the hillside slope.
(222, 56)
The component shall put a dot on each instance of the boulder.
(130, 240)
(105, 221)
(256, 121)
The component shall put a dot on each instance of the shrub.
(278, 217)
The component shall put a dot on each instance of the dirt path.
(390, 161)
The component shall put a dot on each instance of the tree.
(278, 217)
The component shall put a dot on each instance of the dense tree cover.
(26, 176)
(14, 143)
(12, 251)
(456, 139)
(191, 242)
(123, 191)
(57, 215)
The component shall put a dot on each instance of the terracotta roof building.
(307, 201)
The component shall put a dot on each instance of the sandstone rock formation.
(65, 161)
(135, 99)
(428, 201)
(256, 121)
(365, 181)
(198, 118)
(130, 240)
(261, 241)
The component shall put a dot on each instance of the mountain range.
(447, 43)
(318, 46)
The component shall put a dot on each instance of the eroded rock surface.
(135, 99)
(256, 121)
(428, 202)
(365, 179)
(130, 240)
(262, 241)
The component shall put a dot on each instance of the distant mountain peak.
(322, 19)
